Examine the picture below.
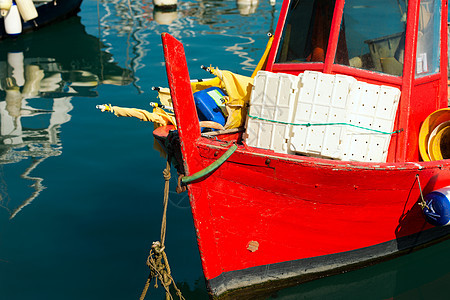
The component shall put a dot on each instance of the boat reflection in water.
(247, 7)
(37, 85)
(135, 22)
(396, 279)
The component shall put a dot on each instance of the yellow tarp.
(158, 116)
(201, 85)
(238, 88)
(164, 93)
(164, 97)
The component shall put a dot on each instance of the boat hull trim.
(265, 279)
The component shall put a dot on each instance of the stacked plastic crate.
(322, 100)
(272, 105)
(324, 115)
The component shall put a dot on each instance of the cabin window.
(372, 35)
(428, 37)
(306, 31)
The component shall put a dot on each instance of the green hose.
(211, 167)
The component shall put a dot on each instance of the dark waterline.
(81, 191)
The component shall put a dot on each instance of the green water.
(81, 191)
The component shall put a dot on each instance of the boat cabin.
(395, 43)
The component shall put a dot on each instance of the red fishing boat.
(274, 208)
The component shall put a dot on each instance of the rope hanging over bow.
(157, 259)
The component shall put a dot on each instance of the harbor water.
(81, 191)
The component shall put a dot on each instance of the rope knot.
(180, 188)
(422, 203)
(157, 259)
(158, 247)
(166, 174)
(159, 265)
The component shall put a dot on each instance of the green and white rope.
(324, 124)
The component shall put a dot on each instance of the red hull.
(309, 216)
(305, 208)
(264, 216)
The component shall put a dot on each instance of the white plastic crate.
(328, 100)
(273, 98)
(333, 99)
(370, 106)
(322, 99)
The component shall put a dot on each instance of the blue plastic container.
(210, 106)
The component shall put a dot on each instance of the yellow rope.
(157, 259)
(422, 202)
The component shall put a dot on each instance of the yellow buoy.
(430, 123)
(433, 135)
(440, 146)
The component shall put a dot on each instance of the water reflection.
(136, 22)
(45, 65)
(247, 7)
(40, 74)
(402, 278)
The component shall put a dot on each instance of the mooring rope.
(324, 124)
(422, 202)
(157, 259)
